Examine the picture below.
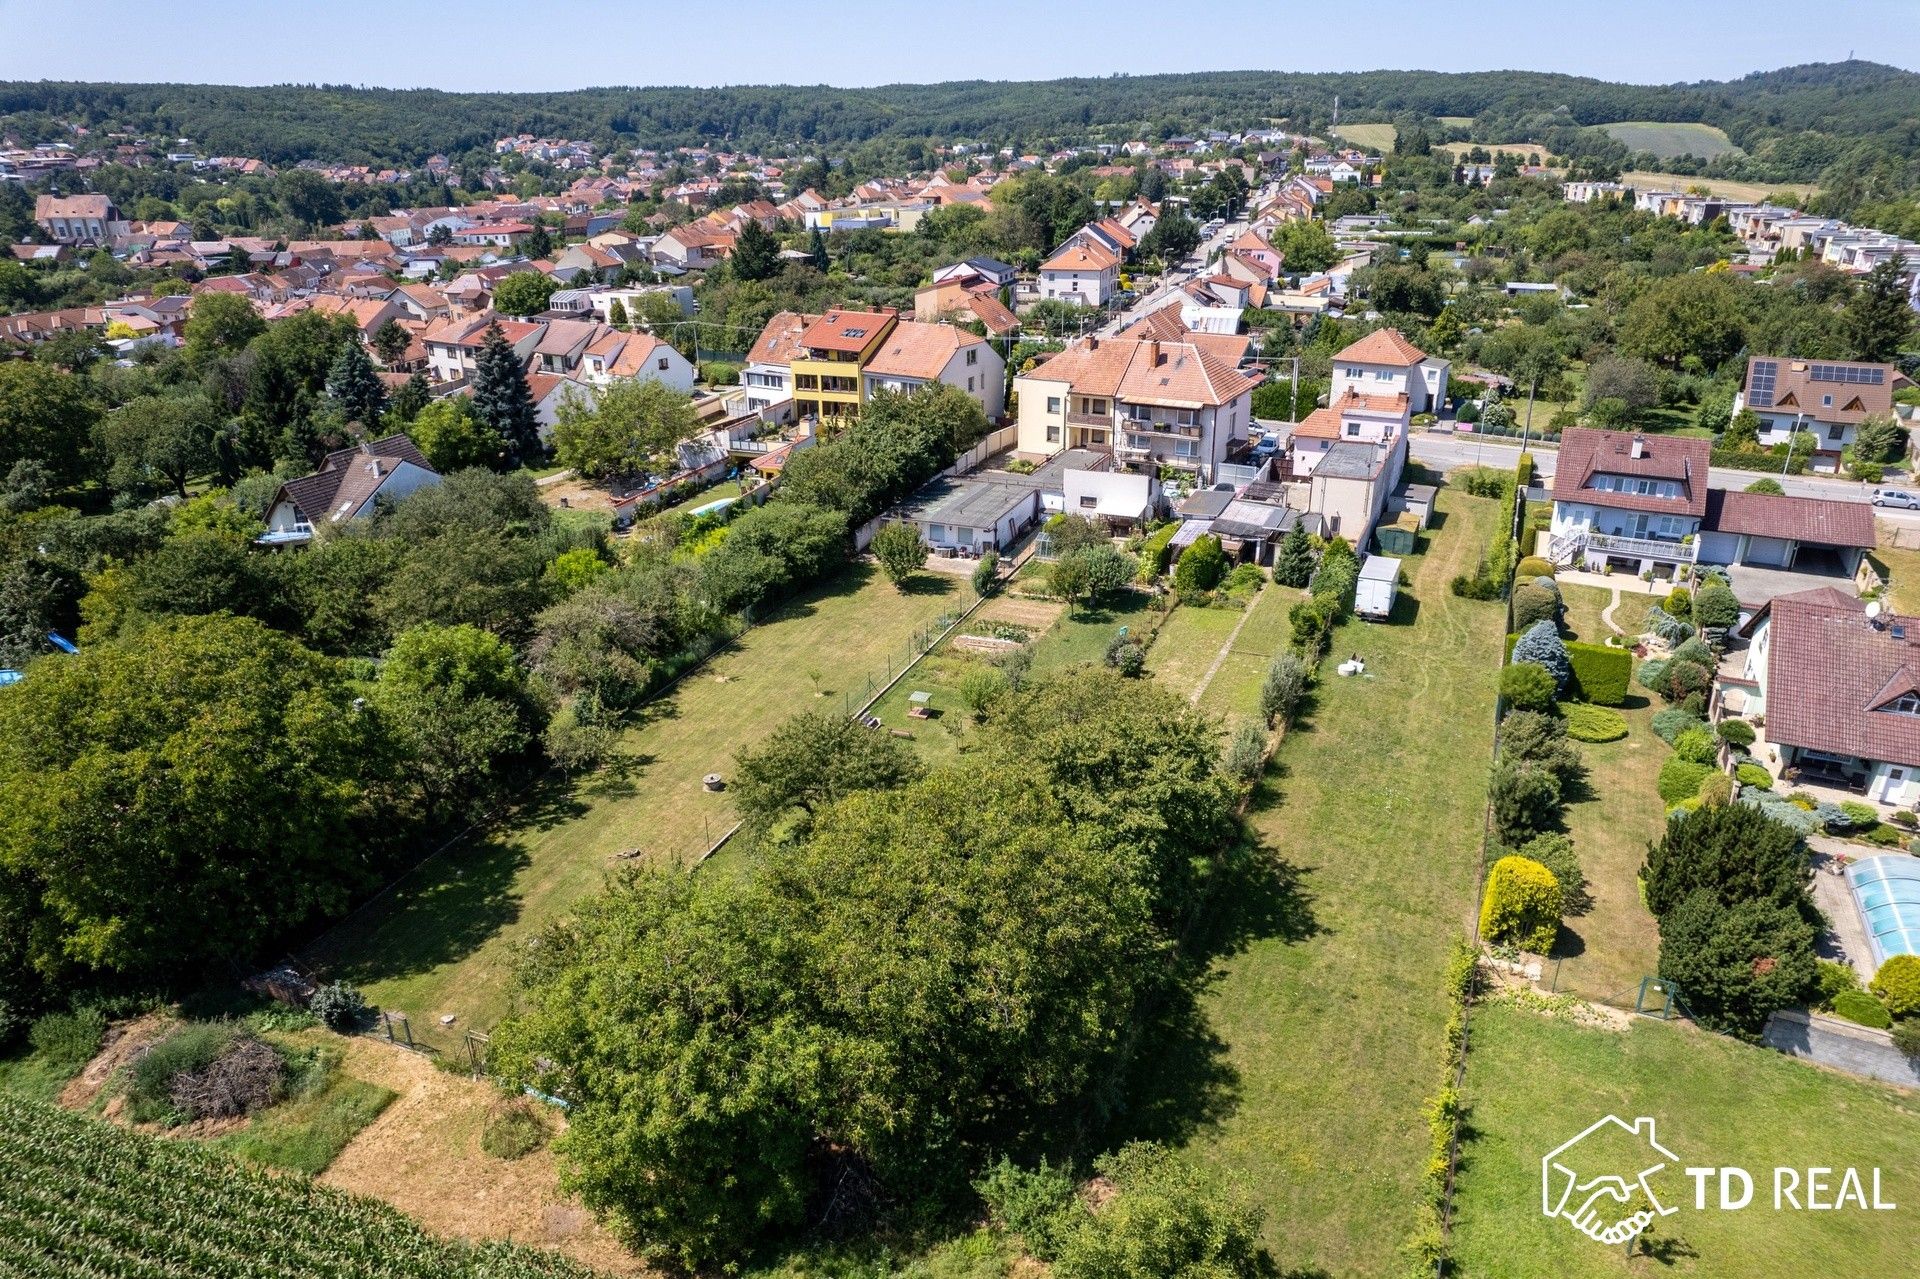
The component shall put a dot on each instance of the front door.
(1896, 781)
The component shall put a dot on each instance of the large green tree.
(503, 400)
(1879, 318)
(627, 428)
(44, 417)
(355, 387)
(457, 704)
(452, 436)
(524, 293)
(756, 253)
(158, 441)
(183, 797)
(220, 325)
(813, 760)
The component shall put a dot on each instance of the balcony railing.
(1080, 417)
(1650, 547)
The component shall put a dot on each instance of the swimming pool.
(1887, 891)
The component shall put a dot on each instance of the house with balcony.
(1628, 502)
(1081, 273)
(1835, 685)
(1378, 384)
(78, 219)
(348, 486)
(1829, 399)
(1147, 401)
(831, 356)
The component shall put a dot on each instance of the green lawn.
(443, 941)
(1535, 1081)
(1901, 568)
(1322, 1024)
(1235, 689)
(308, 1133)
(1084, 631)
(1187, 645)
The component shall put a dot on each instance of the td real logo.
(1615, 1179)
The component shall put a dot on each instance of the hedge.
(1154, 551)
(1534, 566)
(1589, 723)
(1680, 779)
(1862, 1009)
(1753, 775)
(1600, 674)
(1747, 460)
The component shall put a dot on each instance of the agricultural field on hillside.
(1373, 137)
(1784, 192)
(1537, 1079)
(80, 1196)
(1666, 140)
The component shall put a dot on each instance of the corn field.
(82, 1198)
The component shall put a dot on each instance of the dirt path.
(1226, 648)
(423, 1156)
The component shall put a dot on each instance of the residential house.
(1082, 274)
(1378, 384)
(78, 219)
(833, 353)
(348, 485)
(914, 354)
(1829, 398)
(768, 377)
(453, 345)
(1643, 504)
(1588, 192)
(1836, 683)
(1146, 401)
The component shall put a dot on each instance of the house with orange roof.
(1145, 401)
(1378, 384)
(914, 354)
(1080, 273)
(833, 352)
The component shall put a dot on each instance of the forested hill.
(1797, 121)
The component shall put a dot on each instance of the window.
(1186, 448)
(1353, 428)
(1826, 401)
(662, 365)
(1905, 704)
(1835, 432)
(1053, 435)
(969, 384)
(1088, 501)
(973, 355)
(1053, 404)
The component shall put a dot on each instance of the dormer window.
(1905, 704)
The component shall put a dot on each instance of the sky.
(499, 45)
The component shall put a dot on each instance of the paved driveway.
(1755, 586)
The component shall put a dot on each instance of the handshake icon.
(1604, 1181)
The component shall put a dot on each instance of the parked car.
(1901, 498)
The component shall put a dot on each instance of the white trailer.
(1379, 580)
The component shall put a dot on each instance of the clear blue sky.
(502, 44)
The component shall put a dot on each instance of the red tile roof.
(1818, 520)
(1585, 453)
(1383, 346)
(1817, 701)
(851, 331)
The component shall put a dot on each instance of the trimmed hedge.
(1589, 723)
(1522, 905)
(1154, 551)
(1747, 460)
(1601, 674)
(1862, 1009)
(1534, 566)
(1753, 775)
(1735, 731)
(1680, 779)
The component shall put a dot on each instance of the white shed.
(1379, 582)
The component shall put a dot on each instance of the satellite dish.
(1873, 609)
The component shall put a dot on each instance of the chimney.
(1639, 446)
(1093, 342)
(1153, 353)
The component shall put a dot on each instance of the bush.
(1836, 979)
(245, 1076)
(1126, 655)
(1201, 566)
(1532, 566)
(1670, 723)
(1527, 687)
(1525, 799)
(1668, 627)
(339, 1007)
(1533, 604)
(1284, 689)
(1651, 673)
(1735, 732)
(1862, 1009)
(1530, 737)
(1032, 1203)
(1716, 789)
(1686, 683)
(1246, 752)
(514, 1131)
(1589, 723)
(1859, 816)
(981, 687)
(1680, 602)
(1555, 851)
(1906, 1037)
(1715, 606)
(1898, 985)
(1696, 746)
(1884, 836)
(1600, 674)
(1692, 650)
(1906, 818)
(1522, 905)
(1680, 779)
(1753, 775)
(67, 1041)
(986, 574)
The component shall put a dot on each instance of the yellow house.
(833, 351)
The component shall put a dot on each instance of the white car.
(1897, 497)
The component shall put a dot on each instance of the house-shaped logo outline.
(1642, 1128)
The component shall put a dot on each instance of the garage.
(1719, 548)
(1767, 552)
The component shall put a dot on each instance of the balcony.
(1645, 547)
(1080, 417)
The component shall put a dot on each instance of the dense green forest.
(1797, 123)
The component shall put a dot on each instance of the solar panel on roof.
(1764, 374)
(1850, 374)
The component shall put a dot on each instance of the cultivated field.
(1534, 1081)
(1784, 192)
(443, 941)
(1373, 137)
(1323, 1025)
(1668, 140)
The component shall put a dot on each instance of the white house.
(1378, 384)
(1829, 398)
(768, 378)
(78, 219)
(348, 485)
(1081, 273)
(914, 354)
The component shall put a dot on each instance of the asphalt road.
(1443, 452)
